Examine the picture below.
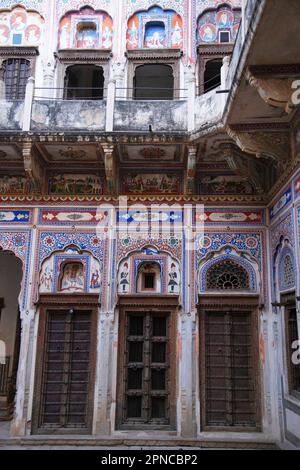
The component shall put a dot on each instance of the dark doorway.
(84, 82)
(153, 82)
(10, 330)
(212, 74)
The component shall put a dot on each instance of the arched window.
(149, 278)
(15, 76)
(153, 82)
(288, 272)
(83, 82)
(227, 275)
(212, 74)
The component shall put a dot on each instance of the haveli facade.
(150, 220)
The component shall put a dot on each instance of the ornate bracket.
(110, 167)
(33, 168)
(273, 145)
(191, 162)
(276, 92)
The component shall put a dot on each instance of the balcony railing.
(111, 109)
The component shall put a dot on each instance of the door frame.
(63, 302)
(153, 304)
(232, 303)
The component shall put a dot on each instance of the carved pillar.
(28, 104)
(190, 83)
(190, 177)
(110, 167)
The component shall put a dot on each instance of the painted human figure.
(107, 37)
(133, 35)
(4, 34)
(64, 36)
(124, 279)
(47, 278)
(32, 34)
(177, 35)
(18, 21)
(173, 281)
(208, 34)
(95, 280)
(155, 41)
(73, 278)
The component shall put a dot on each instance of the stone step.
(106, 443)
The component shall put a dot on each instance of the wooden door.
(229, 390)
(146, 364)
(65, 378)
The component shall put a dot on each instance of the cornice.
(279, 70)
(233, 200)
(152, 302)
(83, 55)
(67, 299)
(214, 49)
(20, 51)
(141, 54)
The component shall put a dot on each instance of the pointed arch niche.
(228, 272)
(70, 271)
(149, 271)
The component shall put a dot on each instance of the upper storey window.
(19, 27)
(85, 29)
(218, 25)
(155, 29)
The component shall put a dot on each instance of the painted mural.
(70, 272)
(19, 27)
(76, 184)
(155, 29)
(85, 29)
(213, 22)
(151, 183)
(148, 259)
(224, 184)
(18, 184)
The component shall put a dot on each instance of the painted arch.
(85, 29)
(20, 27)
(155, 29)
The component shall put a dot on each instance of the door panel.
(66, 379)
(229, 376)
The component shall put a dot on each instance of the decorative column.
(110, 167)
(110, 105)
(190, 83)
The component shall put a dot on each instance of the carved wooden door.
(66, 372)
(229, 377)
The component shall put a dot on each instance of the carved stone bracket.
(33, 168)
(110, 167)
(273, 145)
(191, 162)
(276, 92)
